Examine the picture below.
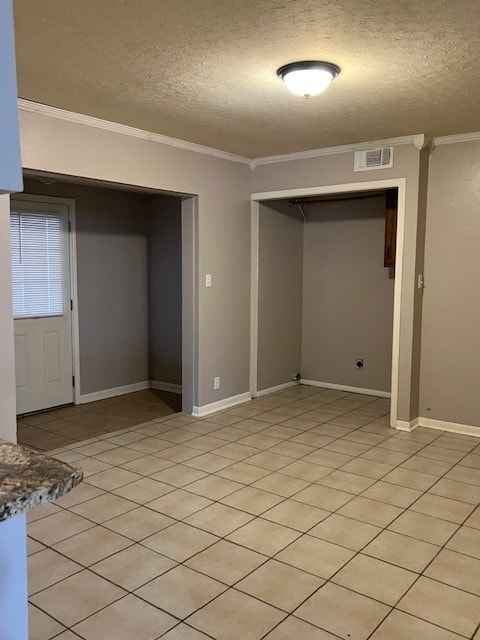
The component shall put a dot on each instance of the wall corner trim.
(115, 391)
(166, 386)
(276, 388)
(422, 141)
(404, 425)
(343, 387)
(226, 403)
(70, 116)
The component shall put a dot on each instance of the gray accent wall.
(450, 362)
(112, 282)
(165, 289)
(129, 275)
(347, 295)
(337, 169)
(279, 294)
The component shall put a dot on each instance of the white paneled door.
(41, 304)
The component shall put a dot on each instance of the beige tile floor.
(297, 515)
(65, 425)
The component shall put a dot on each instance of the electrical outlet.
(208, 279)
(359, 364)
(216, 383)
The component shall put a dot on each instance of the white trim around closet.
(257, 198)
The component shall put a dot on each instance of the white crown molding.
(115, 127)
(419, 140)
(473, 136)
(330, 151)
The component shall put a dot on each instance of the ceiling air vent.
(381, 158)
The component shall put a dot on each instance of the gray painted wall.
(129, 271)
(338, 169)
(112, 282)
(279, 294)
(165, 289)
(347, 295)
(223, 214)
(450, 360)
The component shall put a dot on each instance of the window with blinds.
(37, 273)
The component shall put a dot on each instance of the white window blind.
(37, 274)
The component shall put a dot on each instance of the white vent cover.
(381, 158)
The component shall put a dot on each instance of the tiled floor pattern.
(63, 426)
(300, 515)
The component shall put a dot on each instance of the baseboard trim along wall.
(166, 386)
(276, 388)
(116, 391)
(342, 387)
(404, 425)
(440, 425)
(226, 403)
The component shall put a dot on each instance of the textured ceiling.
(204, 70)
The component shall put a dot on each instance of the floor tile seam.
(475, 632)
(81, 516)
(422, 573)
(207, 635)
(70, 627)
(440, 495)
(417, 618)
(334, 635)
(186, 619)
(426, 491)
(107, 530)
(78, 562)
(65, 627)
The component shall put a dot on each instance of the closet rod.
(297, 201)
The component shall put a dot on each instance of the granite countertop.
(29, 479)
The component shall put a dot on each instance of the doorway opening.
(321, 268)
(127, 354)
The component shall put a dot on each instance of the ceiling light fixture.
(308, 78)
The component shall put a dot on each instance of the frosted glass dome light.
(308, 78)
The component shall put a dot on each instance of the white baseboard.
(116, 391)
(451, 427)
(404, 425)
(342, 387)
(440, 425)
(226, 403)
(278, 387)
(166, 386)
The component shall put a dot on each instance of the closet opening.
(326, 289)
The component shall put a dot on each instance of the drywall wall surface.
(223, 186)
(112, 283)
(8, 420)
(338, 169)
(10, 162)
(418, 290)
(279, 294)
(164, 232)
(449, 380)
(13, 585)
(347, 295)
